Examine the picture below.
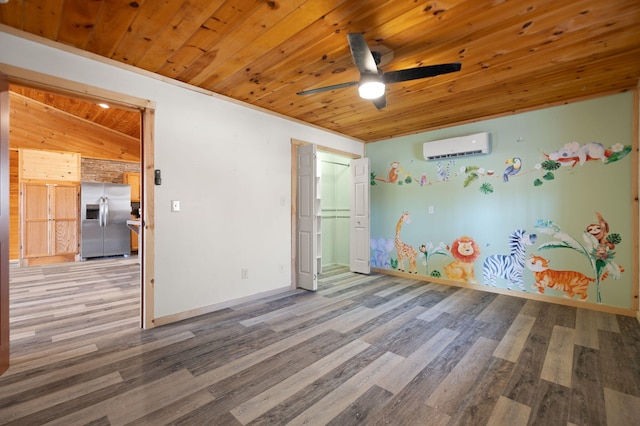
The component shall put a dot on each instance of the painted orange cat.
(571, 282)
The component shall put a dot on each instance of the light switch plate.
(175, 206)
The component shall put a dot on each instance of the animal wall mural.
(540, 214)
(465, 252)
(571, 154)
(571, 282)
(597, 247)
(405, 251)
(509, 266)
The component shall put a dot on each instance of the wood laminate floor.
(362, 350)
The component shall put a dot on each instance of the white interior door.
(307, 268)
(359, 247)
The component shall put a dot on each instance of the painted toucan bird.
(515, 164)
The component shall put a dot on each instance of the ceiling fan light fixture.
(371, 89)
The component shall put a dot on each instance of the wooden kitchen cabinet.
(50, 222)
(133, 179)
(134, 241)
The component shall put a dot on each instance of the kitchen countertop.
(134, 225)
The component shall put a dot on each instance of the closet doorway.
(330, 213)
(335, 195)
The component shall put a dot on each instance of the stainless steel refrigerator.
(106, 207)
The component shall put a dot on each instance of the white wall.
(228, 165)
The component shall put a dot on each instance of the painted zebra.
(509, 266)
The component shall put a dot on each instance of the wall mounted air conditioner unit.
(457, 147)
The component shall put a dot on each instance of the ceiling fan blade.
(362, 55)
(420, 72)
(380, 102)
(328, 88)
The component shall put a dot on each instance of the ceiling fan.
(372, 80)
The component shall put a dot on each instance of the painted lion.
(465, 251)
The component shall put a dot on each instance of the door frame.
(295, 143)
(4, 223)
(36, 80)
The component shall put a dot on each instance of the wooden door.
(4, 223)
(35, 217)
(49, 219)
(359, 245)
(63, 204)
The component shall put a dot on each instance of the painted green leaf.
(469, 169)
(486, 188)
(615, 156)
(614, 238)
(600, 267)
(470, 178)
(552, 245)
(550, 165)
(408, 179)
(537, 182)
(548, 176)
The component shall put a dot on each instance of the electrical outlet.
(175, 206)
(431, 209)
(244, 273)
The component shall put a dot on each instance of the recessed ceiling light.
(101, 105)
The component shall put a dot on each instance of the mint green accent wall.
(335, 204)
(469, 197)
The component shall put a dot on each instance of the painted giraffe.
(405, 251)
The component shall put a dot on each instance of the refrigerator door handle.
(106, 211)
(101, 212)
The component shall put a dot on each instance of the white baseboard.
(168, 319)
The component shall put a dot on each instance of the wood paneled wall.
(50, 166)
(35, 125)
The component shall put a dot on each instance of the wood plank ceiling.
(515, 55)
(120, 120)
